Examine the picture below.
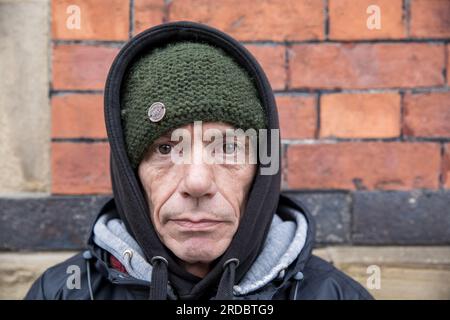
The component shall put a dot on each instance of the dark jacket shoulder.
(60, 281)
(323, 281)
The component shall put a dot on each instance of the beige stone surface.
(406, 272)
(406, 255)
(24, 103)
(405, 282)
(19, 270)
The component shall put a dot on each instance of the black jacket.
(307, 278)
(99, 280)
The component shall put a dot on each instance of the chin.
(199, 251)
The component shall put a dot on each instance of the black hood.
(129, 196)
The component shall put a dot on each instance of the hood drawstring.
(225, 289)
(298, 277)
(87, 255)
(160, 278)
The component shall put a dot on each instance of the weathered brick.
(417, 217)
(448, 64)
(348, 19)
(256, 20)
(427, 114)
(298, 116)
(81, 67)
(363, 65)
(446, 166)
(363, 115)
(272, 60)
(78, 116)
(99, 19)
(331, 212)
(430, 18)
(80, 168)
(47, 223)
(365, 166)
(147, 13)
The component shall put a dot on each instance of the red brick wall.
(359, 108)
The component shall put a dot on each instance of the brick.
(417, 217)
(81, 67)
(446, 166)
(448, 64)
(298, 116)
(365, 65)
(366, 115)
(47, 223)
(430, 18)
(256, 20)
(99, 19)
(78, 116)
(148, 13)
(427, 114)
(272, 60)
(348, 19)
(364, 166)
(80, 168)
(331, 212)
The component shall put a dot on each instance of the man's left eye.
(164, 148)
(229, 148)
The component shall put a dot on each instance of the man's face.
(196, 207)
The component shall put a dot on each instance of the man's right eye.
(164, 148)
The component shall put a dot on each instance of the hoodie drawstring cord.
(225, 289)
(298, 277)
(160, 278)
(87, 255)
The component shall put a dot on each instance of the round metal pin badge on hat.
(156, 111)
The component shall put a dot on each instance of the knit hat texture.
(195, 81)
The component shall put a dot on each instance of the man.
(190, 219)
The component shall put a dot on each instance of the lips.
(196, 225)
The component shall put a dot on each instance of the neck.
(197, 269)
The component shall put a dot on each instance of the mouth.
(196, 225)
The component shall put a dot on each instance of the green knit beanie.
(180, 83)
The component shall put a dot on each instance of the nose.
(198, 181)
